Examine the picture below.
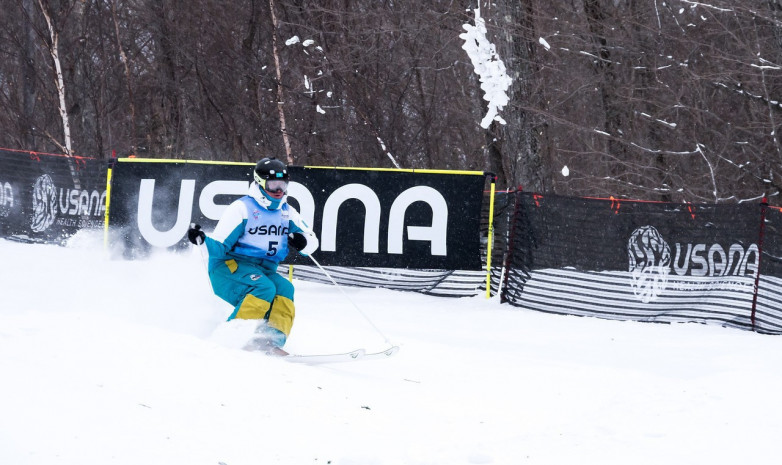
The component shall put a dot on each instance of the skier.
(248, 243)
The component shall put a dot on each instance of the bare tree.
(53, 46)
(280, 94)
(128, 75)
(515, 150)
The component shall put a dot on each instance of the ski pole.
(204, 260)
(351, 301)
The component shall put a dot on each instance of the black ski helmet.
(270, 168)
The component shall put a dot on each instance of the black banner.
(363, 218)
(48, 198)
(647, 261)
(603, 234)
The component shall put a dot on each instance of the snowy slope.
(113, 362)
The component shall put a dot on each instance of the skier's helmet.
(272, 178)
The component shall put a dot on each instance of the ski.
(358, 354)
(384, 354)
(326, 358)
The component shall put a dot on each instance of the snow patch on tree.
(488, 65)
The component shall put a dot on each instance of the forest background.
(670, 100)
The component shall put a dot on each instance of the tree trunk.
(514, 152)
(54, 51)
(280, 94)
(607, 82)
(29, 89)
(128, 78)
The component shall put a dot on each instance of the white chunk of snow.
(488, 65)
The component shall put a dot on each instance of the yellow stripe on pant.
(252, 308)
(281, 316)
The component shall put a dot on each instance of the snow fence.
(606, 258)
(647, 261)
(48, 197)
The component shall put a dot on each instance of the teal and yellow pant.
(256, 291)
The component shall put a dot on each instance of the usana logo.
(652, 264)
(48, 202)
(435, 234)
(44, 203)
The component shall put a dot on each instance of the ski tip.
(391, 351)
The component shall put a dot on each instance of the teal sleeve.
(219, 250)
(294, 228)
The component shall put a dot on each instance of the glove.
(297, 241)
(195, 235)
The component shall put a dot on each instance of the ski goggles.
(274, 185)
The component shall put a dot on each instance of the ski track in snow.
(129, 362)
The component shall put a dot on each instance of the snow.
(129, 362)
(488, 65)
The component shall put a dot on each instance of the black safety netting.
(647, 261)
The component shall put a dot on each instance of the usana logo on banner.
(40, 200)
(68, 207)
(363, 218)
(670, 256)
(655, 266)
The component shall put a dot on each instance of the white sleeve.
(233, 216)
(298, 225)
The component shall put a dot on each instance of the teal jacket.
(250, 232)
